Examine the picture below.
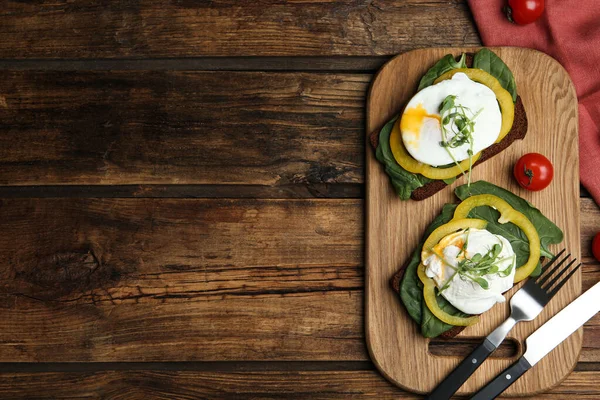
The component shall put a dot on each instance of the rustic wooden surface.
(394, 228)
(172, 229)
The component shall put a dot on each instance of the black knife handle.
(465, 369)
(503, 381)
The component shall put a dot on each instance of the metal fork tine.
(546, 267)
(549, 271)
(555, 279)
(561, 283)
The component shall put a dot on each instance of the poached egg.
(462, 292)
(421, 122)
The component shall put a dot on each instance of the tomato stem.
(528, 173)
(508, 11)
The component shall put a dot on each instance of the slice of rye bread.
(518, 131)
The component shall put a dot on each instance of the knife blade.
(545, 339)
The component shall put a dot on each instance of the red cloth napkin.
(569, 31)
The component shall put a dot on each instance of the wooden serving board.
(394, 227)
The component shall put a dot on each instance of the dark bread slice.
(518, 131)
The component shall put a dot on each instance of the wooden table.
(181, 208)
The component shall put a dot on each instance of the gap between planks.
(329, 64)
(292, 191)
(214, 366)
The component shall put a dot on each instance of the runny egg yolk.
(413, 118)
(421, 123)
(454, 239)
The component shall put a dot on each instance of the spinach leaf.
(404, 182)
(537, 271)
(411, 288)
(489, 62)
(510, 231)
(449, 181)
(444, 65)
(431, 326)
(549, 233)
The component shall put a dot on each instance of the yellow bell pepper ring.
(507, 107)
(430, 297)
(442, 231)
(411, 165)
(507, 214)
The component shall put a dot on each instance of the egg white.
(464, 294)
(420, 123)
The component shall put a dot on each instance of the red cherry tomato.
(524, 12)
(596, 246)
(533, 171)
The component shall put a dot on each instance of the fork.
(525, 305)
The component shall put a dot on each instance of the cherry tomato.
(596, 246)
(524, 12)
(533, 171)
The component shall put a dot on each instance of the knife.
(543, 340)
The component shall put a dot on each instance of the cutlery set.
(526, 304)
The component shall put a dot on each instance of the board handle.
(465, 369)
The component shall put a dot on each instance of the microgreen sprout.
(457, 129)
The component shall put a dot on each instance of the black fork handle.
(465, 369)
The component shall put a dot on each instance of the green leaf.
(447, 104)
(404, 182)
(482, 282)
(449, 181)
(537, 271)
(489, 62)
(431, 326)
(549, 233)
(492, 270)
(507, 271)
(411, 288)
(444, 65)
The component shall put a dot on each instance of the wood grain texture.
(551, 107)
(289, 191)
(129, 385)
(185, 28)
(168, 280)
(180, 128)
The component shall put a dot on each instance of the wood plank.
(202, 128)
(154, 279)
(182, 28)
(291, 191)
(173, 280)
(388, 247)
(124, 385)
(298, 137)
